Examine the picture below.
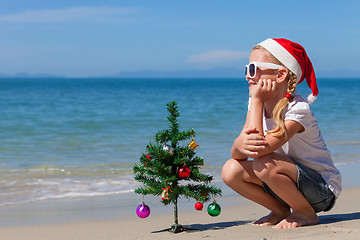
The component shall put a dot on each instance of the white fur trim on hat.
(283, 56)
(311, 98)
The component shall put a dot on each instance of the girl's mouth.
(252, 83)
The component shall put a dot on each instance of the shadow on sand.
(209, 226)
(333, 218)
(324, 219)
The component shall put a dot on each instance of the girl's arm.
(265, 90)
(256, 115)
(247, 143)
(250, 144)
(274, 143)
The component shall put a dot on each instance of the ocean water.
(67, 138)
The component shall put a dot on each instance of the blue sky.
(96, 38)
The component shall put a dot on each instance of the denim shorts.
(313, 187)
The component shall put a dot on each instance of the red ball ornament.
(199, 206)
(148, 157)
(184, 172)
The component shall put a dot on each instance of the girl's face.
(260, 55)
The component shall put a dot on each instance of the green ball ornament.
(214, 209)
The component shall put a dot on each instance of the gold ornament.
(165, 193)
(193, 144)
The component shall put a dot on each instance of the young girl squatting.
(292, 173)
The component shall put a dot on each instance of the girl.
(292, 173)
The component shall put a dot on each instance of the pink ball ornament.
(143, 210)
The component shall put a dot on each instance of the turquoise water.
(63, 138)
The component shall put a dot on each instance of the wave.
(42, 182)
(24, 190)
(45, 182)
(61, 196)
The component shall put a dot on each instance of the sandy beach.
(234, 222)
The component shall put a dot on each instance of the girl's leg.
(280, 173)
(240, 176)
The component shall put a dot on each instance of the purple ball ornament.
(143, 210)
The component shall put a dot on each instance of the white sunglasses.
(251, 67)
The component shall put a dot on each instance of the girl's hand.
(265, 90)
(248, 143)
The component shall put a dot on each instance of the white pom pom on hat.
(294, 57)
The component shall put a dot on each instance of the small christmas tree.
(166, 164)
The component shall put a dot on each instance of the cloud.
(216, 56)
(63, 15)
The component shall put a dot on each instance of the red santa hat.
(294, 57)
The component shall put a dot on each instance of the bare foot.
(298, 220)
(271, 219)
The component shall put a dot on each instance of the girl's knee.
(235, 171)
(230, 170)
(226, 170)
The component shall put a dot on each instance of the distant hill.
(27, 75)
(192, 73)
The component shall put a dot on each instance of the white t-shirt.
(307, 147)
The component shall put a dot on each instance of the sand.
(234, 222)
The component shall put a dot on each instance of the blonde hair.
(278, 111)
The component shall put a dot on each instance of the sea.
(65, 138)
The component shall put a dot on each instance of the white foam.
(24, 185)
(30, 190)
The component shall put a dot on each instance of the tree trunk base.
(176, 228)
